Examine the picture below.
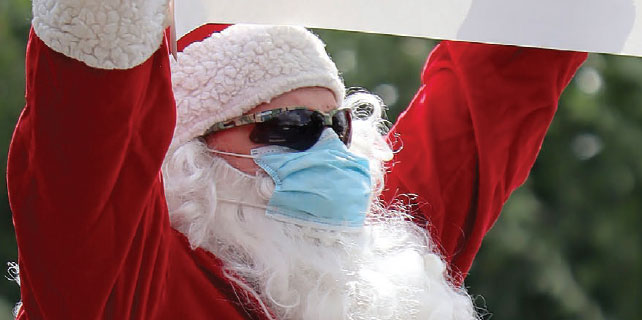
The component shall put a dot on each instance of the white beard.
(388, 270)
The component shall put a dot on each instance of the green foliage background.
(568, 244)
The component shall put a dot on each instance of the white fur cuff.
(105, 34)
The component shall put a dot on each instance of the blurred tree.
(14, 28)
(567, 245)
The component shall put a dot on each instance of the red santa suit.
(471, 135)
(94, 239)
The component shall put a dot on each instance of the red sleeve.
(84, 185)
(470, 137)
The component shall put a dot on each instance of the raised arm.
(85, 157)
(471, 136)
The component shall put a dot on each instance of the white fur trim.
(233, 71)
(105, 34)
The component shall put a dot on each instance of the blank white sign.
(606, 26)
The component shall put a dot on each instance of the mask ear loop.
(240, 155)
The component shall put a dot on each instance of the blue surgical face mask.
(325, 186)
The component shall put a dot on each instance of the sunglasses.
(298, 128)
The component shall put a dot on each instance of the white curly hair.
(387, 270)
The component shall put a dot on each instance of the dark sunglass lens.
(342, 125)
(295, 118)
(296, 129)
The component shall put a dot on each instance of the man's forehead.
(313, 98)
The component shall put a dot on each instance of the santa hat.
(240, 67)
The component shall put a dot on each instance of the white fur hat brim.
(243, 66)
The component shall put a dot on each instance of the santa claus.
(278, 198)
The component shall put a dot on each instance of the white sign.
(606, 26)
